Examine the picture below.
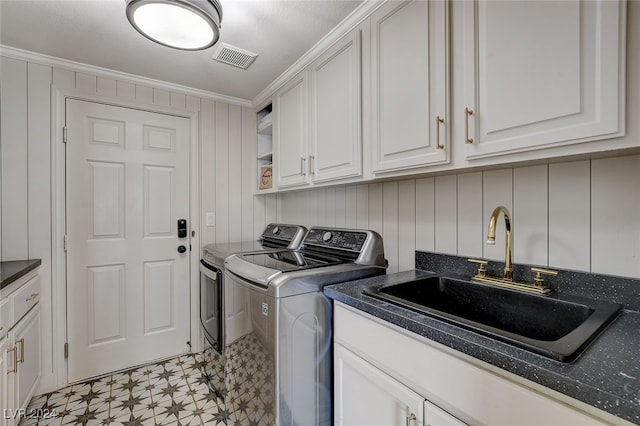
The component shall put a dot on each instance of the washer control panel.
(282, 232)
(339, 239)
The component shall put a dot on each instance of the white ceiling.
(96, 32)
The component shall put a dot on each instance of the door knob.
(182, 249)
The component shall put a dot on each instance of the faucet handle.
(538, 281)
(482, 266)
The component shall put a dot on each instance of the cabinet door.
(290, 129)
(26, 336)
(409, 84)
(435, 416)
(336, 141)
(5, 358)
(364, 395)
(542, 74)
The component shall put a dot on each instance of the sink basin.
(557, 326)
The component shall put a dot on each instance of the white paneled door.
(127, 185)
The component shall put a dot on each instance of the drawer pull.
(438, 122)
(33, 296)
(21, 342)
(15, 360)
(467, 113)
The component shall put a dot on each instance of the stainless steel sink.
(557, 326)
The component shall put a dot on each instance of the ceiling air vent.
(234, 56)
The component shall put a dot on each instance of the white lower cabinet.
(3, 379)
(20, 368)
(384, 375)
(26, 335)
(364, 395)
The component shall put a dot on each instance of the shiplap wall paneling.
(406, 224)
(470, 222)
(177, 100)
(107, 87)
(259, 214)
(321, 196)
(425, 214)
(375, 208)
(161, 97)
(14, 152)
(144, 94)
(446, 213)
(615, 215)
(192, 103)
(341, 207)
(330, 206)
(390, 224)
(86, 83)
(310, 207)
(39, 196)
(207, 169)
(249, 178)
(125, 90)
(351, 200)
(497, 190)
(530, 219)
(234, 175)
(362, 207)
(570, 216)
(63, 79)
(287, 208)
(222, 172)
(271, 209)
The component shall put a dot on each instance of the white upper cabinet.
(410, 87)
(541, 74)
(335, 111)
(291, 132)
(318, 120)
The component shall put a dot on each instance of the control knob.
(326, 237)
(275, 230)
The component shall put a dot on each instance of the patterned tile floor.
(173, 392)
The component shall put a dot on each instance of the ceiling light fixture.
(181, 24)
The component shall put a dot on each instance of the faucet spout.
(491, 238)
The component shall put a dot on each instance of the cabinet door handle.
(467, 113)
(311, 159)
(410, 418)
(15, 360)
(302, 163)
(21, 342)
(31, 297)
(438, 122)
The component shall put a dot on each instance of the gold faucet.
(491, 238)
(538, 286)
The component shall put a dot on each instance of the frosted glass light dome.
(181, 24)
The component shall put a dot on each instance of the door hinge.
(66, 350)
(65, 243)
(64, 134)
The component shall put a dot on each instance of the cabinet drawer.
(5, 317)
(25, 298)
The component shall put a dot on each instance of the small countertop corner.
(11, 271)
(605, 376)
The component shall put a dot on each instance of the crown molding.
(355, 18)
(25, 55)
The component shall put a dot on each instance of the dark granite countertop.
(12, 270)
(606, 375)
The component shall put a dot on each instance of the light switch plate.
(211, 219)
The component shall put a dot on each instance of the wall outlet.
(211, 219)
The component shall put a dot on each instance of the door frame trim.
(58, 218)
